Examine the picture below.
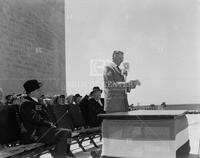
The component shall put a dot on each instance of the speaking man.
(115, 86)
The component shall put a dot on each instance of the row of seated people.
(78, 112)
(75, 114)
(87, 107)
(29, 122)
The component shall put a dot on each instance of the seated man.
(61, 111)
(36, 120)
(84, 108)
(95, 107)
(76, 113)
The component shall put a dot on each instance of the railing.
(191, 108)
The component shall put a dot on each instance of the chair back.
(9, 126)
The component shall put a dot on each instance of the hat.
(95, 89)
(77, 95)
(62, 96)
(31, 85)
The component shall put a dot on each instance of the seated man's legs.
(60, 137)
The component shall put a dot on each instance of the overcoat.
(114, 90)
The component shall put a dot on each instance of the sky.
(159, 38)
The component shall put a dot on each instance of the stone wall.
(32, 44)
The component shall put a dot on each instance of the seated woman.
(36, 120)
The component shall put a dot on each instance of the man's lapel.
(116, 69)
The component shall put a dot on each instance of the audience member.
(16, 100)
(77, 98)
(70, 99)
(75, 111)
(36, 120)
(96, 94)
(84, 108)
(8, 99)
(95, 107)
(164, 105)
(61, 111)
(50, 107)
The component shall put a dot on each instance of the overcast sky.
(160, 39)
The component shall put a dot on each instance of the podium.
(145, 134)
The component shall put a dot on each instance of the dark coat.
(63, 118)
(9, 127)
(94, 108)
(84, 108)
(76, 115)
(35, 117)
(37, 122)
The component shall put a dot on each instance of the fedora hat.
(95, 89)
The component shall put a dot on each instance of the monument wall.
(32, 44)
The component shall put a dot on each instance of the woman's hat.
(31, 85)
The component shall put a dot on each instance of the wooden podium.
(145, 134)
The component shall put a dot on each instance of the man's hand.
(134, 83)
(124, 72)
(128, 89)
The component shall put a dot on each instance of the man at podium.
(115, 85)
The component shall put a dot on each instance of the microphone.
(125, 69)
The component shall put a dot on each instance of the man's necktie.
(118, 69)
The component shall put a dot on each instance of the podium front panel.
(145, 136)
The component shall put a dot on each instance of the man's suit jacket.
(115, 98)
